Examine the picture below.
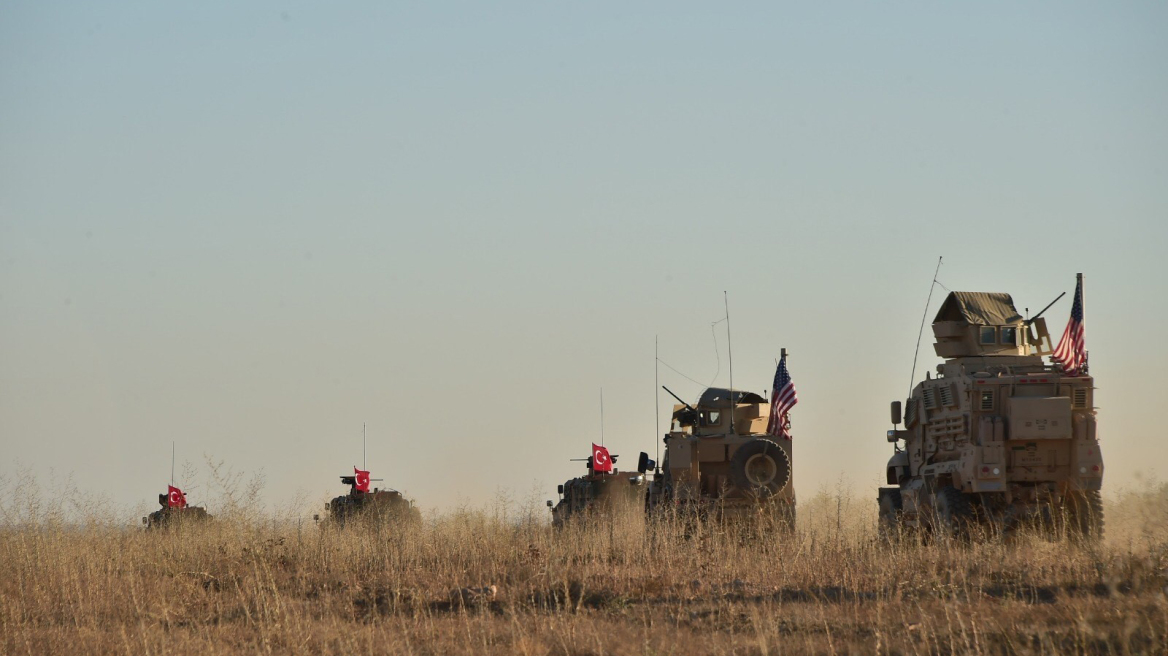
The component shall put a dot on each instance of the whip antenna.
(657, 402)
(172, 463)
(601, 416)
(916, 353)
(730, 354)
(363, 465)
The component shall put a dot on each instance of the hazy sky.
(250, 227)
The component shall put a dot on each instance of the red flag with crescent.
(601, 461)
(175, 497)
(362, 480)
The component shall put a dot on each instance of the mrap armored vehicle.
(998, 437)
(172, 515)
(720, 462)
(385, 506)
(599, 494)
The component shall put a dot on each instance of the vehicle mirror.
(643, 462)
(145, 520)
(549, 503)
(895, 412)
(559, 489)
(316, 518)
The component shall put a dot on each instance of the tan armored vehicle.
(376, 506)
(999, 436)
(597, 493)
(718, 466)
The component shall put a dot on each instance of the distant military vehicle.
(170, 516)
(722, 463)
(998, 436)
(599, 493)
(388, 506)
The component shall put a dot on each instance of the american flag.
(783, 398)
(1071, 351)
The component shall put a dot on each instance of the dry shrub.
(249, 582)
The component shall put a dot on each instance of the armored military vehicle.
(171, 516)
(719, 460)
(998, 437)
(599, 493)
(387, 506)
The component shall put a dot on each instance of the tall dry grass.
(251, 583)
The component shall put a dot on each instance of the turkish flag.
(362, 480)
(601, 461)
(175, 497)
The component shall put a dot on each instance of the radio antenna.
(917, 352)
(656, 402)
(363, 465)
(730, 353)
(601, 416)
(172, 463)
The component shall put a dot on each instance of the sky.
(252, 228)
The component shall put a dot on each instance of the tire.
(953, 514)
(1085, 515)
(891, 504)
(760, 468)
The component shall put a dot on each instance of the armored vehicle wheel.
(889, 521)
(953, 512)
(1085, 515)
(760, 467)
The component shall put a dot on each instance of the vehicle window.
(711, 417)
(989, 335)
(1010, 335)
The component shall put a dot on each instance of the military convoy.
(606, 494)
(720, 462)
(998, 438)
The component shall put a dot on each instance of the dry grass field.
(252, 584)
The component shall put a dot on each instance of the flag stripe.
(783, 398)
(1071, 352)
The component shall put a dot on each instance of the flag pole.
(1083, 311)
(363, 465)
(783, 359)
(172, 463)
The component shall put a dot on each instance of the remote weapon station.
(998, 436)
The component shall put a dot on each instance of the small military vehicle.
(998, 437)
(386, 506)
(599, 493)
(720, 462)
(168, 516)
